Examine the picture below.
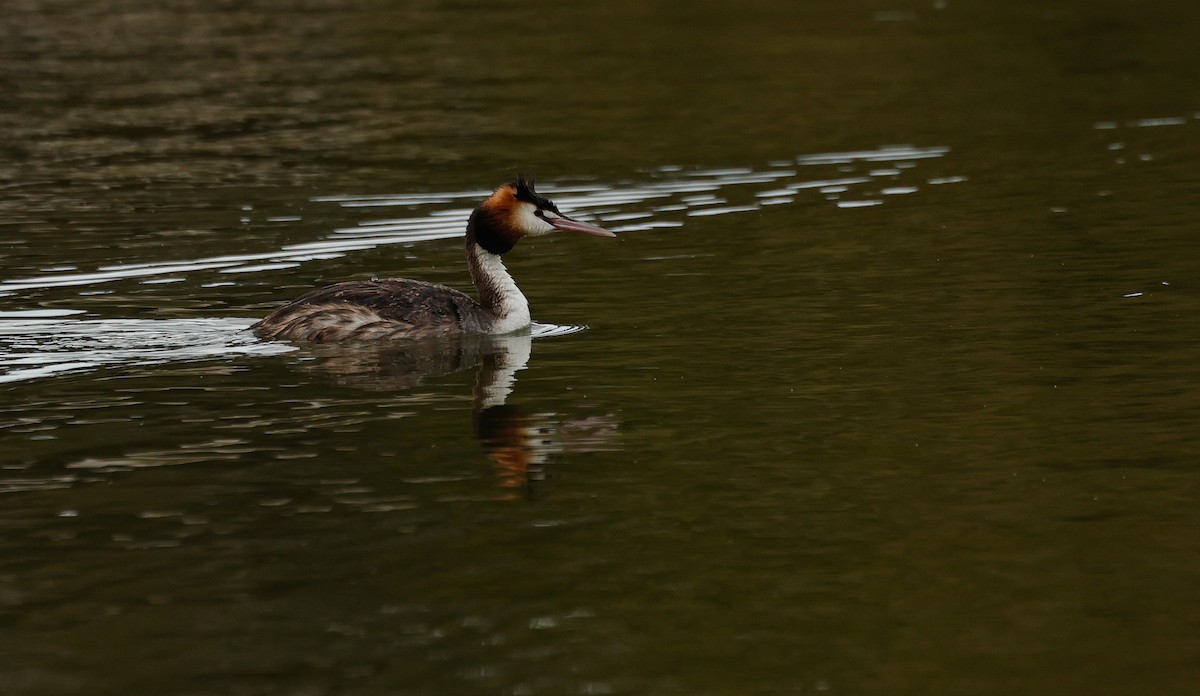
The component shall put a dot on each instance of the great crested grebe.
(396, 308)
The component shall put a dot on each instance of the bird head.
(517, 210)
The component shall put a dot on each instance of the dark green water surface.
(890, 385)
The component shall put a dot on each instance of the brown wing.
(371, 309)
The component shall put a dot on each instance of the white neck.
(497, 290)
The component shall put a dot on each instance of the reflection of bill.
(518, 444)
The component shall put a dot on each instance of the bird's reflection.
(516, 442)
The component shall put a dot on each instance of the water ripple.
(34, 348)
(671, 194)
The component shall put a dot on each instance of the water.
(887, 385)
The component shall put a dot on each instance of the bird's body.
(399, 308)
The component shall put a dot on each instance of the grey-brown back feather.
(375, 309)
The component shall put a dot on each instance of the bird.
(400, 308)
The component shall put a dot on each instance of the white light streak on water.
(618, 217)
(800, 186)
(262, 267)
(1157, 122)
(884, 154)
(551, 330)
(39, 313)
(643, 226)
(706, 199)
(703, 212)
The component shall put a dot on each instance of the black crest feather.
(525, 192)
(525, 188)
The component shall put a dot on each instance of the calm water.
(889, 385)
